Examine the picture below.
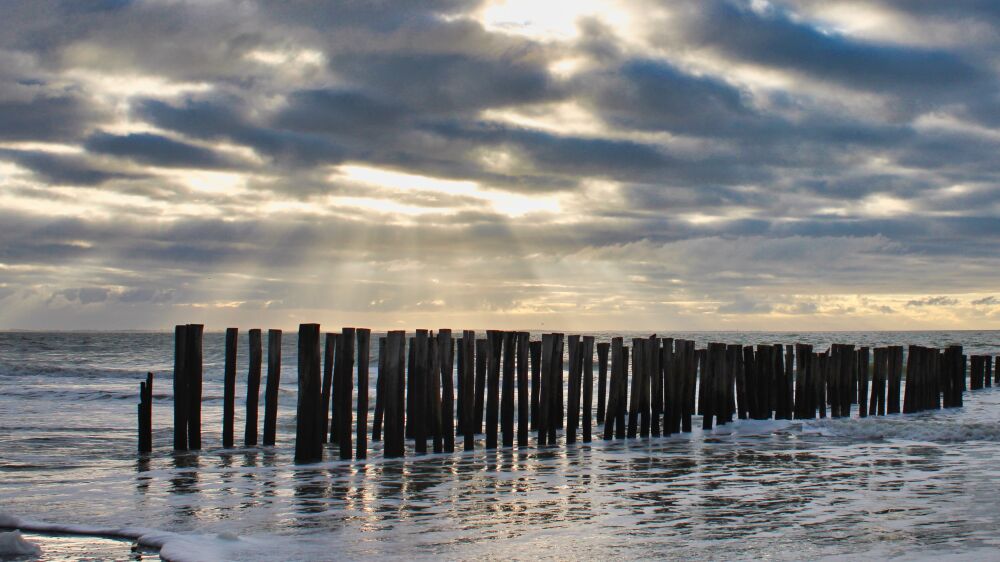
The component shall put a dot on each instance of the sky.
(512, 164)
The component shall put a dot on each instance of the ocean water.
(914, 486)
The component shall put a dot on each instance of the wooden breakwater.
(435, 387)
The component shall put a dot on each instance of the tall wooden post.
(394, 384)
(308, 445)
(446, 349)
(193, 366)
(364, 345)
(181, 391)
(271, 390)
(256, 355)
(523, 398)
(588, 386)
(229, 388)
(329, 353)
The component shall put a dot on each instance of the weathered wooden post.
(256, 355)
(736, 379)
(544, 418)
(146, 414)
(523, 398)
(690, 383)
(895, 374)
(482, 356)
(329, 426)
(468, 395)
(308, 445)
(573, 407)
(193, 366)
(418, 386)
(507, 397)
(557, 408)
(602, 377)
(394, 437)
(654, 354)
(634, 392)
(379, 391)
(588, 386)
(669, 388)
(343, 391)
(181, 390)
(459, 385)
(988, 371)
(364, 346)
(614, 418)
(494, 351)
(876, 405)
(229, 388)
(535, 350)
(862, 368)
(645, 383)
(976, 372)
(912, 380)
(271, 388)
(446, 350)
(433, 394)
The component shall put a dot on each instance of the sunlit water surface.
(924, 485)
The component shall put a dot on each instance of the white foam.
(13, 544)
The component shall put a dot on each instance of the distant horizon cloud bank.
(587, 165)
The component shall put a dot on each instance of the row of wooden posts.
(426, 384)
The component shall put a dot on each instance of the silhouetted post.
(557, 410)
(876, 405)
(507, 397)
(523, 398)
(862, 369)
(146, 414)
(433, 395)
(193, 366)
(256, 355)
(379, 392)
(790, 381)
(645, 381)
(734, 367)
(912, 382)
(976, 373)
(394, 384)
(418, 385)
(494, 352)
(364, 345)
(411, 393)
(271, 389)
(544, 419)
(602, 377)
(446, 351)
(988, 374)
(615, 402)
(481, 356)
(954, 364)
(588, 386)
(181, 390)
(229, 388)
(723, 370)
(329, 352)
(468, 395)
(343, 391)
(690, 384)
(670, 404)
(819, 379)
(700, 358)
(895, 363)
(535, 349)
(459, 386)
(996, 370)
(635, 391)
(308, 445)
(573, 407)
(653, 356)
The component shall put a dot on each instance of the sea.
(919, 486)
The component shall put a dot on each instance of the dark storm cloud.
(774, 38)
(157, 150)
(45, 117)
(60, 169)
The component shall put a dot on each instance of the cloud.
(986, 301)
(157, 150)
(932, 301)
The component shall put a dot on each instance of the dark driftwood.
(256, 356)
(273, 382)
